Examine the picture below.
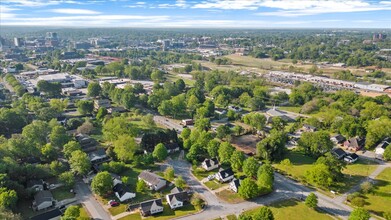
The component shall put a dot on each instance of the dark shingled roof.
(121, 189)
(211, 162)
(43, 196)
(150, 177)
(181, 196)
(146, 206)
(226, 173)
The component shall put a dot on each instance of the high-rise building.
(18, 41)
(51, 36)
(379, 37)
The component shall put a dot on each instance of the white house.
(151, 207)
(154, 181)
(234, 108)
(98, 156)
(351, 158)
(177, 199)
(225, 175)
(210, 164)
(123, 192)
(234, 185)
(43, 200)
(379, 151)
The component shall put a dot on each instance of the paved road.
(167, 122)
(284, 189)
(85, 196)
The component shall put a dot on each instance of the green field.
(168, 213)
(290, 109)
(300, 164)
(379, 200)
(230, 196)
(83, 213)
(118, 210)
(294, 210)
(201, 174)
(232, 217)
(61, 193)
(213, 184)
(134, 216)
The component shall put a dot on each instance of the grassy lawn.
(354, 173)
(201, 174)
(290, 109)
(213, 184)
(300, 164)
(117, 210)
(134, 216)
(230, 196)
(23, 207)
(294, 210)
(168, 213)
(61, 193)
(83, 212)
(379, 200)
(232, 217)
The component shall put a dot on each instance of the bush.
(311, 200)
(358, 202)
(366, 187)
(352, 196)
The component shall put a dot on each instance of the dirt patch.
(246, 143)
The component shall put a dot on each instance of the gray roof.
(149, 177)
(180, 196)
(43, 196)
(146, 206)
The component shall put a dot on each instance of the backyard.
(230, 196)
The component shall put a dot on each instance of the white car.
(211, 177)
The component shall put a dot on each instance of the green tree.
(48, 152)
(264, 213)
(68, 179)
(141, 186)
(265, 178)
(387, 153)
(311, 200)
(85, 107)
(272, 147)
(157, 76)
(248, 189)
(8, 198)
(125, 148)
(315, 143)
(93, 89)
(169, 173)
(255, 120)
(71, 213)
(180, 182)
(102, 183)
(102, 112)
(237, 160)
(319, 175)
(223, 131)
(377, 130)
(213, 148)
(79, 162)
(70, 147)
(359, 214)
(250, 167)
(58, 137)
(225, 152)
(160, 152)
(202, 124)
(36, 132)
(58, 105)
(185, 134)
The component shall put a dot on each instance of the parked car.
(113, 203)
(211, 177)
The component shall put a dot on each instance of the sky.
(198, 13)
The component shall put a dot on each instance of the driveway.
(85, 196)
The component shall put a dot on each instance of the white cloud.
(292, 8)
(74, 11)
(177, 4)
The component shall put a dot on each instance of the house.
(177, 199)
(234, 185)
(86, 142)
(99, 156)
(210, 164)
(123, 192)
(154, 181)
(354, 144)
(380, 148)
(234, 108)
(338, 139)
(101, 103)
(151, 207)
(172, 147)
(225, 175)
(43, 200)
(118, 109)
(351, 158)
(36, 185)
(308, 128)
(338, 153)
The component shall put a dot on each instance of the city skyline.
(198, 14)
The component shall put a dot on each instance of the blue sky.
(198, 13)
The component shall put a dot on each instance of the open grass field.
(248, 61)
(118, 210)
(229, 196)
(83, 213)
(294, 210)
(379, 200)
(300, 164)
(201, 174)
(294, 109)
(213, 184)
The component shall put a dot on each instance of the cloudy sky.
(198, 13)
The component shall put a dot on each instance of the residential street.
(85, 196)
(284, 189)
